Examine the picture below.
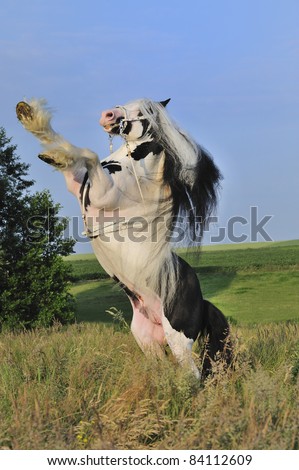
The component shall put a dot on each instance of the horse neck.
(131, 145)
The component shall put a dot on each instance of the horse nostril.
(109, 115)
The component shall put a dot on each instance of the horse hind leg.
(148, 335)
(182, 320)
(181, 347)
(218, 345)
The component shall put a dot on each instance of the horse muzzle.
(111, 118)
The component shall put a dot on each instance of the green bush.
(34, 280)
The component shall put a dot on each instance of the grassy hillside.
(251, 283)
(218, 258)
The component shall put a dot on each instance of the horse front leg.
(36, 117)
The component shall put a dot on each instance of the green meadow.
(251, 283)
(88, 385)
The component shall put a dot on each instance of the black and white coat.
(130, 202)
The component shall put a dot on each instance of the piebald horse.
(131, 202)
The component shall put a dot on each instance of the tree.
(34, 280)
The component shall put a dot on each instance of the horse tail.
(218, 343)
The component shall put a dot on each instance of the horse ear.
(165, 103)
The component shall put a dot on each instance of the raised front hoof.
(50, 160)
(24, 111)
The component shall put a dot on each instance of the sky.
(230, 67)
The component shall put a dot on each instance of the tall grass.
(89, 386)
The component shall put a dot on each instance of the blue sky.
(231, 68)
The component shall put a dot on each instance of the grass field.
(88, 386)
(251, 283)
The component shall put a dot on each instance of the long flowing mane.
(189, 170)
(193, 178)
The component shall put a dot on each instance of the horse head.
(128, 120)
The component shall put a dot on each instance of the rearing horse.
(130, 203)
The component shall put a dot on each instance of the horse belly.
(126, 260)
(128, 267)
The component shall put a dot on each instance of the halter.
(125, 120)
(122, 126)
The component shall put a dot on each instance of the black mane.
(194, 202)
